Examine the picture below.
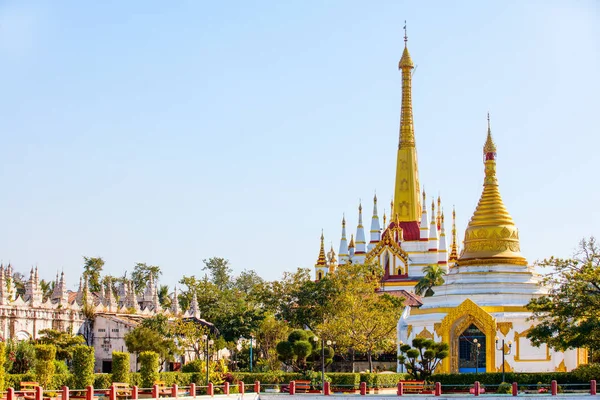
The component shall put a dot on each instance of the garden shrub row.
(459, 381)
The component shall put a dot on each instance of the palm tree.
(163, 296)
(47, 289)
(434, 276)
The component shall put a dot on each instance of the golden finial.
(424, 196)
(489, 147)
(322, 260)
(392, 210)
(359, 206)
(405, 35)
(439, 212)
(432, 209)
(375, 198)
(343, 220)
(351, 241)
(384, 218)
(454, 247)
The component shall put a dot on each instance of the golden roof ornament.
(321, 260)
(491, 236)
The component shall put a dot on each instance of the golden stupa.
(491, 236)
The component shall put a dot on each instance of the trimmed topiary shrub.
(504, 388)
(148, 368)
(2, 360)
(44, 364)
(83, 366)
(120, 366)
(102, 381)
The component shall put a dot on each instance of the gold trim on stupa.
(322, 261)
(491, 236)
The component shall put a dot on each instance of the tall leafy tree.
(220, 272)
(64, 342)
(141, 275)
(570, 314)
(92, 268)
(358, 316)
(434, 276)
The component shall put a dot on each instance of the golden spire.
(384, 219)
(331, 259)
(407, 197)
(322, 260)
(351, 245)
(454, 247)
(439, 213)
(491, 236)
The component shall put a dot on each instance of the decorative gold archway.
(459, 319)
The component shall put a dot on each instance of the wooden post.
(241, 387)
(293, 387)
(10, 394)
(211, 389)
(65, 393)
(438, 389)
(39, 393)
(89, 393)
(593, 387)
(134, 393)
(226, 388)
(155, 392)
(476, 388)
(193, 389)
(326, 388)
(174, 391)
(112, 393)
(515, 389)
(256, 386)
(400, 390)
(554, 388)
(363, 388)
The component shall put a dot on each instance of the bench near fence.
(412, 386)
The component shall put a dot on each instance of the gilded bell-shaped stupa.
(491, 236)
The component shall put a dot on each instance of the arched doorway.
(471, 350)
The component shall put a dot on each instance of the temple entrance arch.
(471, 350)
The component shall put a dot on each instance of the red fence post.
(10, 394)
(438, 389)
(326, 388)
(65, 393)
(476, 388)
(293, 387)
(193, 389)
(363, 388)
(89, 393)
(226, 388)
(174, 391)
(112, 392)
(211, 389)
(400, 390)
(593, 387)
(515, 388)
(39, 393)
(554, 388)
(134, 393)
(257, 386)
(241, 387)
(155, 392)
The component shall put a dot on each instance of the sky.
(168, 132)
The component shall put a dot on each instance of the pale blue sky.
(171, 131)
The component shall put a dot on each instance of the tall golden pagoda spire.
(491, 236)
(322, 261)
(454, 247)
(407, 204)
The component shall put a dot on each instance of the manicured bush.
(344, 381)
(60, 367)
(588, 372)
(388, 380)
(120, 366)
(530, 379)
(265, 377)
(83, 366)
(44, 365)
(2, 360)
(504, 388)
(193, 366)
(102, 381)
(148, 368)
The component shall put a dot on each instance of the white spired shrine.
(483, 299)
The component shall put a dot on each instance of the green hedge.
(120, 367)
(103, 381)
(460, 381)
(266, 377)
(344, 380)
(44, 365)
(148, 368)
(83, 367)
(2, 360)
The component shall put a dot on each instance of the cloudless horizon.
(171, 132)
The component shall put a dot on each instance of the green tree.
(358, 316)
(47, 289)
(569, 315)
(219, 270)
(423, 357)
(270, 332)
(144, 339)
(434, 276)
(64, 342)
(141, 275)
(20, 356)
(295, 350)
(190, 335)
(92, 267)
(163, 297)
